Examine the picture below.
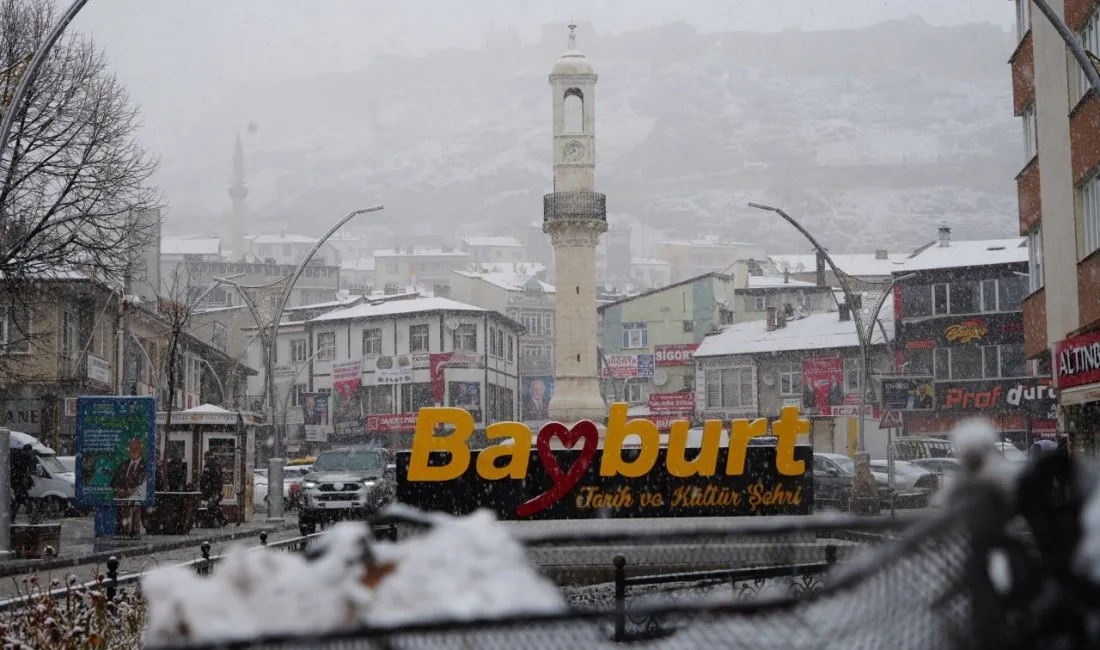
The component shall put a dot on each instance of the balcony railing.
(574, 205)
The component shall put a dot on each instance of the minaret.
(575, 216)
(238, 193)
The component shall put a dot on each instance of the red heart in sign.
(585, 431)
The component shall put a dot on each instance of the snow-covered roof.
(776, 282)
(518, 268)
(419, 252)
(207, 408)
(855, 264)
(339, 302)
(706, 241)
(361, 264)
(507, 281)
(190, 246)
(815, 332)
(648, 261)
(397, 308)
(509, 242)
(283, 239)
(961, 254)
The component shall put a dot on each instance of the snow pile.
(464, 567)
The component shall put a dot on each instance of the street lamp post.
(270, 327)
(1072, 43)
(861, 335)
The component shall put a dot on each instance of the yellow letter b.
(425, 442)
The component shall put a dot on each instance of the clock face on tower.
(574, 149)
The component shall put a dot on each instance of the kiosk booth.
(204, 428)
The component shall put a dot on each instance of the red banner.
(394, 423)
(672, 402)
(679, 354)
(823, 383)
(436, 362)
(1077, 361)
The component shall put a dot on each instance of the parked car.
(346, 483)
(54, 485)
(833, 475)
(913, 484)
(946, 468)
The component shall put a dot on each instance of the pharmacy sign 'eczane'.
(564, 473)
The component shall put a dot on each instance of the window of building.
(1023, 18)
(853, 376)
(418, 338)
(633, 392)
(635, 335)
(326, 346)
(966, 362)
(1090, 40)
(1013, 362)
(532, 322)
(391, 267)
(790, 379)
(730, 388)
(465, 338)
(989, 295)
(297, 350)
(219, 337)
(916, 300)
(939, 299)
(992, 361)
(1035, 259)
(917, 362)
(759, 303)
(963, 298)
(1090, 212)
(372, 342)
(378, 399)
(299, 395)
(1011, 293)
(69, 328)
(1030, 141)
(416, 396)
(511, 347)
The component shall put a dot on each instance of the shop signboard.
(1076, 361)
(908, 393)
(678, 354)
(99, 370)
(393, 370)
(984, 329)
(823, 383)
(1031, 394)
(627, 366)
(580, 479)
(115, 450)
(392, 423)
(671, 402)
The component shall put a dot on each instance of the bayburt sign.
(524, 476)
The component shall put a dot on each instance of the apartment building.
(399, 267)
(1058, 189)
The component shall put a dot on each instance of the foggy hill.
(871, 136)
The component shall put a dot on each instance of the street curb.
(9, 569)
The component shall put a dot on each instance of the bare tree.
(73, 174)
(176, 311)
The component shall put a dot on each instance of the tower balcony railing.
(574, 205)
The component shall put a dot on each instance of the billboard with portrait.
(115, 450)
(537, 393)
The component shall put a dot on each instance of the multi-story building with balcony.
(411, 354)
(1058, 189)
(958, 305)
(397, 268)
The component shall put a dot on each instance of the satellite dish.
(768, 379)
(451, 323)
(660, 377)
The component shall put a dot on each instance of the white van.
(52, 482)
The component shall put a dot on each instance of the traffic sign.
(890, 420)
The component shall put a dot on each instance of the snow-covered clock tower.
(575, 216)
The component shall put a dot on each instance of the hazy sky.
(176, 55)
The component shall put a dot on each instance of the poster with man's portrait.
(536, 394)
(315, 415)
(465, 395)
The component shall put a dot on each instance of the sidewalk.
(80, 547)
